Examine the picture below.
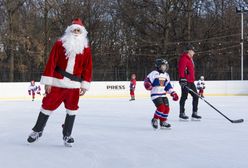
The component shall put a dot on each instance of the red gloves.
(148, 85)
(175, 96)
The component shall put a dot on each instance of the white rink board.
(19, 90)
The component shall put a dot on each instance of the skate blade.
(68, 144)
(183, 120)
(165, 128)
(155, 128)
(195, 119)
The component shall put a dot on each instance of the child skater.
(32, 89)
(158, 82)
(132, 86)
(201, 86)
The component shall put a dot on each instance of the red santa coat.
(80, 66)
(186, 68)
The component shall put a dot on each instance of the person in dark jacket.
(186, 71)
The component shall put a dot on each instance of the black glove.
(183, 82)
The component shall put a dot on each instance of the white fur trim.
(85, 85)
(63, 83)
(46, 80)
(70, 65)
(71, 112)
(46, 112)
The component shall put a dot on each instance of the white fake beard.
(74, 44)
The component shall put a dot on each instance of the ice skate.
(34, 136)
(68, 141)
(67, 129)
(154, 123)
(164, 125)
(195, 117)
(183, 117)
(132, 98)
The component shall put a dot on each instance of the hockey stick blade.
(232, 121)
(238, 121)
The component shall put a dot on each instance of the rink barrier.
(120, 89)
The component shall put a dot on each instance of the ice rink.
(116, 133)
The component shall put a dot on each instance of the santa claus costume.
(67, 75)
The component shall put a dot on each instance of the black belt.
(68, 75)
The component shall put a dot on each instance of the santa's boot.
(38, 128)
(67, 130)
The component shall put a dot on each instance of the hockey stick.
(232, 121)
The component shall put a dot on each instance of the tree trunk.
(11, 55)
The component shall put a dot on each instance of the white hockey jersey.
(34, 88)
(200, 84)
(160, 84)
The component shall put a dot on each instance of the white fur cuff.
(85, 85)
(71, 112)
(46, 112)
(46, 80)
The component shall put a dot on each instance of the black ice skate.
(67, 130)
(132, 98)
(164, 124)
(68, 141)
(154, 123)
(195, 116)
(38, 128)
(34, 136)
(183, 116)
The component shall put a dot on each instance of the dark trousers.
(184, 97)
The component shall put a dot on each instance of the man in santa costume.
(67, 75)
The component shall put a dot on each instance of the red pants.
(132, 92)
(33, 94)
(163, 109)
(52, 101)
(162, 112)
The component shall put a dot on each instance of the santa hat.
(76, 24)
(77, 21)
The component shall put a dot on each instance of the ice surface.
(116, 133)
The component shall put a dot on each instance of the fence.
(124, 75)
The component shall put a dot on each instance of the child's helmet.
(160, 62)
(32, 82)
